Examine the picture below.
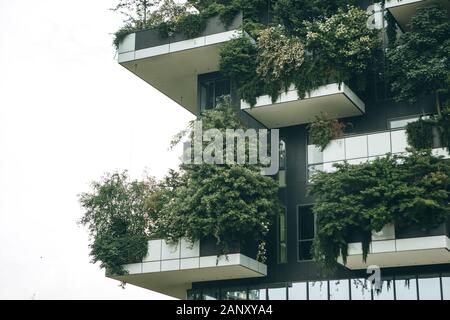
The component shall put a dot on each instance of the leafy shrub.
(118, 220)
(407, 191)
(323, 129)
(420, 134)
(419, 64)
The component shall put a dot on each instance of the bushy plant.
(279, 58)
(118, 220)
(406, 190)
(324, 129)
(420, 64)
(342, 44)
(420, 133)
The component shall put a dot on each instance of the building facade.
(415, 264)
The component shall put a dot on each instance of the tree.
(230, 203)
(406, 190)
(420, 62)
(293, 13)
(118, 219)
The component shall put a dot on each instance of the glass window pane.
(304, 250)
(282, 237)
(318, 290)
(386, 292)
(207, 95)
(194, 295)
(356, 147)
(429, 289)
(222, 89)
(257, 294)
(306, 223)
(335, 151)
(360, 289)
(379, 144)
(234, 294)
(399, 141)
(277, 293)
(406, 289)
(282, 155)
(339, 290)
(212, 294)
(401, 123)
(298, 291)
(446, 287)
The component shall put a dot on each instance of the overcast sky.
(68, 114)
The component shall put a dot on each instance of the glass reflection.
(257, 294)
(277, 293)
(430, 289)
(406, 289)
(234, 294)
(446, 287)
(298, 291)
(360, 289)
(339, 290)
(386, 292)
(318, 290)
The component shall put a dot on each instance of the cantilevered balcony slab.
(407, 250)
(403, 10)
(172, 65)
(171, 269)
(337, 100)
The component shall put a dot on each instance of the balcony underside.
(400, 253)
(172, 64)
(184, 272)
(403, 10)
(338, 101)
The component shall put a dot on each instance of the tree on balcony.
(419, 64)
(405, 190)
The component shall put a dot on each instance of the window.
(406, 289)
(277, 293)
(210, 294)
(446, 287)
(401, 123)
(360, 289)
(282, 237)
(212, 91)
(257, 294)
(305, 232)
(318, 290)
(386, 292)
(282, 155)
(430, 288)
(234, 294)
(298, 291)
(339, 290)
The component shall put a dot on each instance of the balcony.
(358, 149)
(172, 268)
(393, 247)
(172, 65)
(403, 10)
(337, 100)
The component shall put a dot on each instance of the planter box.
(394, 247)
(172, 65)
(171, 268)
(337, 100)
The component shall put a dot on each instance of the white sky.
(68, 114)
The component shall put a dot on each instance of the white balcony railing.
(337, 100)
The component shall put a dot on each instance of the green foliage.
(342, 44)
(443, 123)
(407, 191)
(420, 133)
(323, 129)
(118, 220)
(293, 13)
(238, 61)
(279, 58)
(420, 64)
(231, 203)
